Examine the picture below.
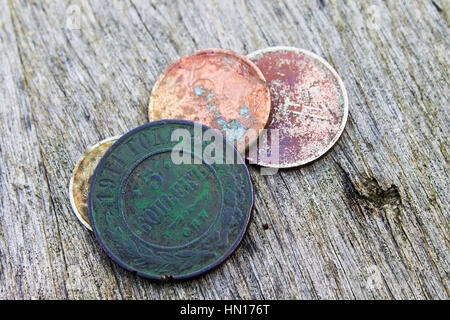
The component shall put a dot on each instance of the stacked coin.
(309, 107)
(218, 88)
(171, 199)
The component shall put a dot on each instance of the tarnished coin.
(309, 107)
(81, 178)
(166, 212)
(218, 88)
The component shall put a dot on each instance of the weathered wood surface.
(370, 219)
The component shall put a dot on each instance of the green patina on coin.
(162, 218)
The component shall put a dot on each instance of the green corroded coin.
(170, 199)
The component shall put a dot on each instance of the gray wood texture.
(368, 220)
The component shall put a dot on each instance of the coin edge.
(71, 182)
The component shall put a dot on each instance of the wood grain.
(368, 220)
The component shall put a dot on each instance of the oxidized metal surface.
(309, 106)
(218, 88)
(165, 220)
(81, 178)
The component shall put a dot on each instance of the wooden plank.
(369, 219)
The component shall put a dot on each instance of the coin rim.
(72, 179)
(256, 53)
(205, 269)
(215, 51)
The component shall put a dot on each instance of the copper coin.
(218, 88)
(166, 219)
(81, 178)
(309, 107)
